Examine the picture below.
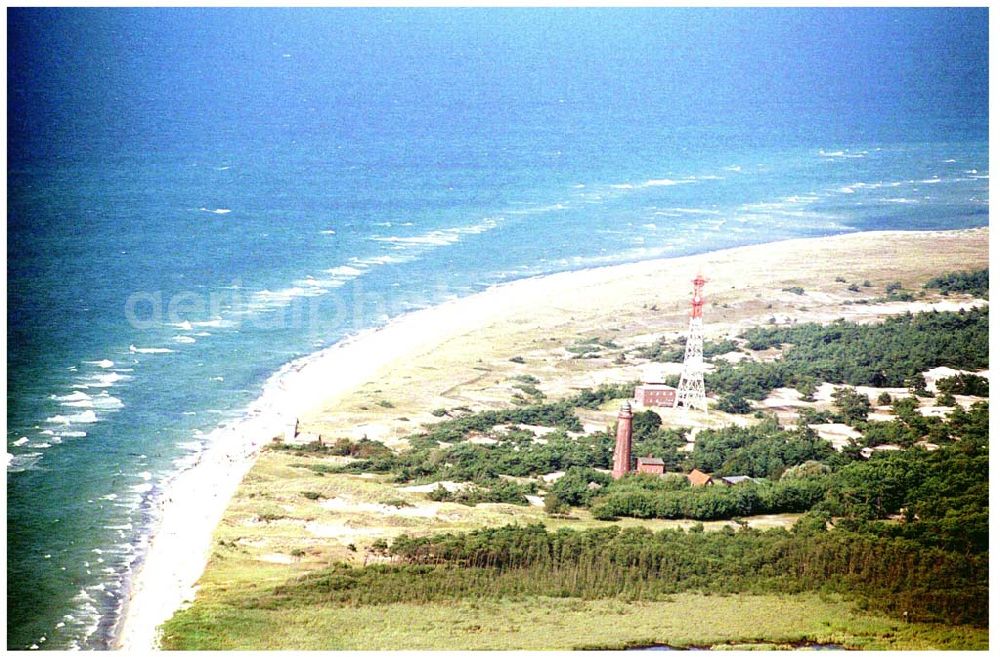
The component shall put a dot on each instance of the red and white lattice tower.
(691, 389)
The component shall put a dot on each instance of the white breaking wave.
(22, 462)
(184, 339)
(271, 299)
(217, 210)
(844, 153)
(541, 209)
(185, 325)
(103, 380)
(442, 237)
(23, 440)
(101, 363)
(73, 434)
(84, 418)
(381, 260)
(103, 402)
(345, 271)
(675, 211)
(216, 322)
(149, 350)
(75, 396)
(667, 182)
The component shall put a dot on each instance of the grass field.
(558, 623)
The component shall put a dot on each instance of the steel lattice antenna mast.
(691, 389)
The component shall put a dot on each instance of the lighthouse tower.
(691, 389)
(623, 443)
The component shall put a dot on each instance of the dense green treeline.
(880, 355)
(886, 573)
(761, 450)
(711, 502)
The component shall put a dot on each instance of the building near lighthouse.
(655, 394)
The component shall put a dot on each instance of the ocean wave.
(185, 325)
(269, 300)
(104, 401)
(215, 322)
(542, 209)
(345, 271)
(75, 396)
(667, 182)
(22, 462)
(184, 339)
(906, 201)
(843, 153)
(441, 237)
(101, 363)
(149, 350)
(102, 380)
(695, 211)
(72, 434)
(386, 259)
(327, 232)
(217, 210)
(23, 440)
(86, 417)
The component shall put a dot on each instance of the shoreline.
(194, 501)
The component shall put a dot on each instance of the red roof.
(699, 478)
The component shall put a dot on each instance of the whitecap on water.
(22, 462)
(23, 440)
(76, 395)
(103, 380)
(184, 339)
(101, 363)
(149, 350)
(85, 417)
(215, 322)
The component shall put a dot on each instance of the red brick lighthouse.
(623, 443)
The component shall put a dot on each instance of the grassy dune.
(559, 623)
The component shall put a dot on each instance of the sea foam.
(149, 350)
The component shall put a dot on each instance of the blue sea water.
(198, 197)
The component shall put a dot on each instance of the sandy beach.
(412, 358)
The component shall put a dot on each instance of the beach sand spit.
(465, 339)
